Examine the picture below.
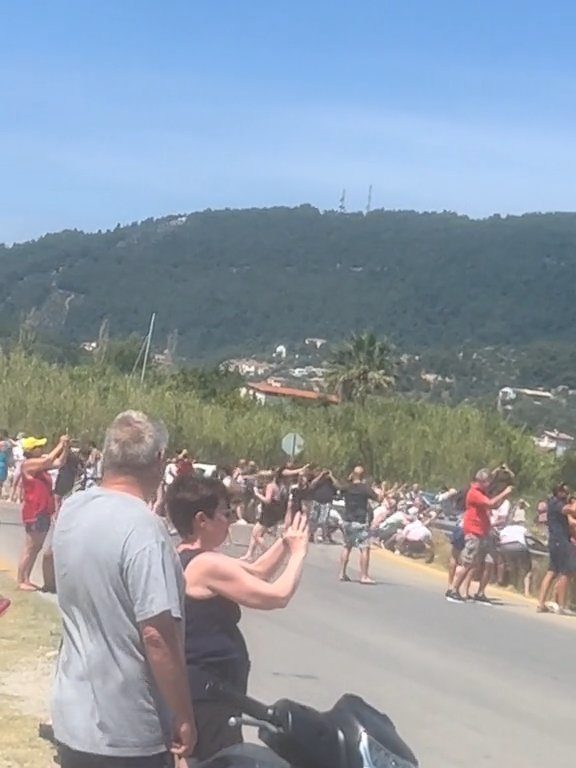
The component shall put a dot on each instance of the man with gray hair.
(121, 693)
(478, 542)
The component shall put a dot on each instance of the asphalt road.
(466, 685)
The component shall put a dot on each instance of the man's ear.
(200, 518)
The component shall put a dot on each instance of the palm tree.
(363, 366)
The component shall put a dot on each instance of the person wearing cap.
(38, 506)
(514, 546)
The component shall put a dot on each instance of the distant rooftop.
(266, 388)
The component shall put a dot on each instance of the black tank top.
(214, 646)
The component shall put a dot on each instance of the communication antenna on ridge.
(369, 203)
(342, 204)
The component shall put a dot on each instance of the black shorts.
(271, 515)
(414, 547)
(211, 714)
(70, 758)
(214, 731)
(40, 525)
(561, 559)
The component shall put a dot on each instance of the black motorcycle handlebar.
(243, 703)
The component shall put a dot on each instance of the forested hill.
(240, 280)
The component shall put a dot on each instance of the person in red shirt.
(477, 536)
(38, 507)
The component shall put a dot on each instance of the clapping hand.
(296, 536)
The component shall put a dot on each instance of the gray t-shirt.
(115, 566)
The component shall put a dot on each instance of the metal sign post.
(292, 444)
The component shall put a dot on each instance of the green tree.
(209, 384)
(122, 354)
(364, 366)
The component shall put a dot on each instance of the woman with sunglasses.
(217, 585)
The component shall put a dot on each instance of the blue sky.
(117, 110)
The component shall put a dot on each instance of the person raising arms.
(561, 519)
(478, 541)
(38, 507)
(357, 519)
(273, 506)
(217, 585)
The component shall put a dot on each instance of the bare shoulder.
(206, 571)
(212, 562)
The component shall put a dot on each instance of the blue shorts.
(458, 539)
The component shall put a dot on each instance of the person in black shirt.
(216, 586)
(66, 478)
(300, 499)
(356, 525)
(559, 517)
(322, 492)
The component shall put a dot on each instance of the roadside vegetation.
(395, 438)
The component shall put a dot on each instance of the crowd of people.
(490, 541)
(126, 685)
(396, 516)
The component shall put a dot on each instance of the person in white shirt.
(500, 516)
(514, 549)
(416, 539)
(18, 459)
(386, 524)
(170, 472)
(417, 531)
(446, 500)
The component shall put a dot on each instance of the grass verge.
(29, 635)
